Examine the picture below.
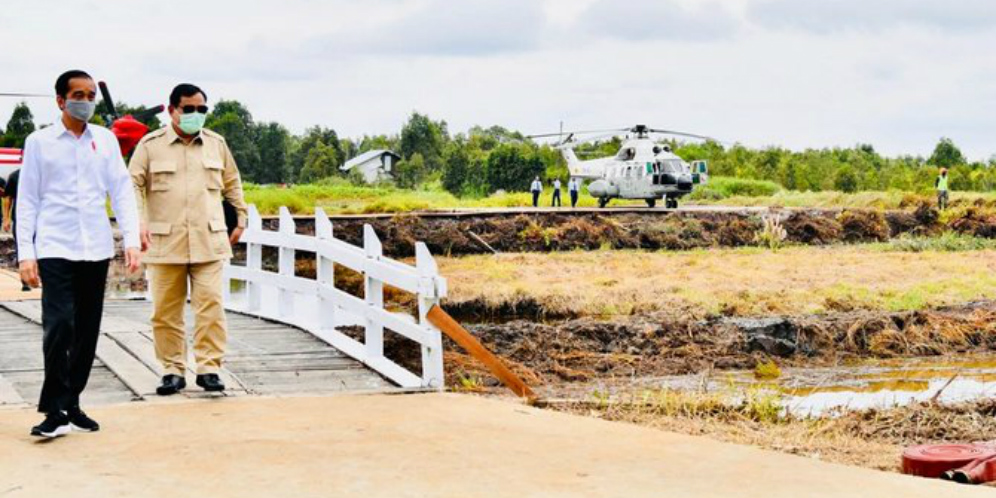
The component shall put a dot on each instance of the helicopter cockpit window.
(627, 154)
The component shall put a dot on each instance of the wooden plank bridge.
(264, 358)
(285, 332)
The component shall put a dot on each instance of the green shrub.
(723, 187)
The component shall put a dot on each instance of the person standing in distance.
(556, 193)
(182, 172)
(64, 239)
(941, 184)
(10, 214)
(536, 188)
(573, 188)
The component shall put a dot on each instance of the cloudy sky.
(898, 74)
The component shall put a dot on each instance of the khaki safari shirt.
(179, 189)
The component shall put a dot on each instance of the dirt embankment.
(651, 230)
(666, 344)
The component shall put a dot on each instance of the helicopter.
(642, 169)
(128, 129)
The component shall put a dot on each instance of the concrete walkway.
(419, 445)
(10, 288)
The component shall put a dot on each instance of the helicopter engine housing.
(602, 188)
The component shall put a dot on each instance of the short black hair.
(62, 84)
(184, 90)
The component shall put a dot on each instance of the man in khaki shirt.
(181, 174)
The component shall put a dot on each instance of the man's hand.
(6, 224)
(236, 235)
(145, 237)
(133, 259)
(29, 272)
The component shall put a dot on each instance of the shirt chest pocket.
(163, 175)
(213, 169)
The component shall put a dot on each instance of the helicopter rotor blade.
(148, 113)
(106, 94)
(682, 134)
(582, 132)
(16, 94)
(570, 145)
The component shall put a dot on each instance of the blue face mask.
(81, 110)
(191, 123)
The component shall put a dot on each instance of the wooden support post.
(467, 341)
(254, 261)
(285, 305)
(428, 297)
(326, 272)
(373, 293)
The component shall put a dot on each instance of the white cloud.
(661, 20)
(828, 16)
(529, 64)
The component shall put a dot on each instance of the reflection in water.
(816, 391)
(825, 391)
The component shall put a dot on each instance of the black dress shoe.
(172, 384)
(81, 422)
(210, 382)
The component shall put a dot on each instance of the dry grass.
(730, 281)
(869, 438)
(746, 420)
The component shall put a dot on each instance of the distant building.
(374, 165)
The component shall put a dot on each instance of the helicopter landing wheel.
(651, 203)
(603, 201)
(671, 203)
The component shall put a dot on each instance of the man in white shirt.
(573, 188)
(556, 193)
(65, 241)
(536, 188)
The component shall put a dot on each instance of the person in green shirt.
(942, 189)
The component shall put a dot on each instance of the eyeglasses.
(187, 109)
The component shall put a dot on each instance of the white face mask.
(81, 110)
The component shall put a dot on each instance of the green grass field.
(342, 197)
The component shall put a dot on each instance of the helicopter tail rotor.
(106, 94)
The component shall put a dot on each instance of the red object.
(934, 460)
(10, 156)
(129, 131)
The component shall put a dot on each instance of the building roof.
(366, 157)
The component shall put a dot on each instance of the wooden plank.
(232, 382)
(116, 323)
(9, 395)
(467, 341)
(133, 373)
(30, 310)
(140, 346)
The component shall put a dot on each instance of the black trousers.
(72, 306)
(574, 198)
(556, 198)
(536, 198)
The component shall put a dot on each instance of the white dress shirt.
(62, 195)
(536, 186)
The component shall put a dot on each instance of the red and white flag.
(10, 156)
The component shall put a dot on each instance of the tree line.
(482, 161)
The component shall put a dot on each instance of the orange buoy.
(933, 460)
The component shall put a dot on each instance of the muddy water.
(832, 390)
(886, 384)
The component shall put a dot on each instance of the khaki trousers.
(168, 283)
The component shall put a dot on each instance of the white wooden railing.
(318, 307)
